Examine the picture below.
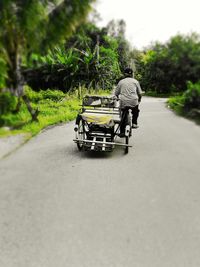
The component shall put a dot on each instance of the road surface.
(65, 208)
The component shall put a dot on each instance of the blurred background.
(52, 52)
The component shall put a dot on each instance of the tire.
(127, 142)
(80, 135)
(130, 124)
(130, 134)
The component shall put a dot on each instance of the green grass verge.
(54, 107)
(177, 105)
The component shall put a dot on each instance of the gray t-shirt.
(129, 89)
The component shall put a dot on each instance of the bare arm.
(139, 92)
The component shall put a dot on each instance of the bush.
(177, 103)
(8, 103)
(54, 107)
(54, 95)
(188, 103)
(166, 68)
(192, 97)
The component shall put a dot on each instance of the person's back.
(130, 94)
(129, 91)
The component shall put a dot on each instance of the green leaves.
(7, 103)
(188, 103)
(192, 96)
(89, 58)
(167, 68)
(64, 19)
(34, 26)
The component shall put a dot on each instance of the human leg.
(135, 114)
(123, 122)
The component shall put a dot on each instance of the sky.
(148, 21)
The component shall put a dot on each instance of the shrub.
(54, 95)
(177, 103)
(192, 96)
(188, 103)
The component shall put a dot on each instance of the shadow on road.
(117, 152)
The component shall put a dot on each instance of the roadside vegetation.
(47, 84)
(172, 70)
(188, 103)
(44, 74)
(53, 107)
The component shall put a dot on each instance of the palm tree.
(28, 26)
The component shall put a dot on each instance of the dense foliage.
(117, 30)
(92, 58)
(45, 44)
(192, 96)
(166, 68)
(188, 103)
(54, 107)
(28, 26)
(7, 102)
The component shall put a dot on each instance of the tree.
(28, 26)
(184, 53)
(117, 30)
(99, 59)
(168, 67)
(88, 58)
(155, 70)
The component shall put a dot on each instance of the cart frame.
(94, 137)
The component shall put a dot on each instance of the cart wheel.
(80, 135)
(127, 142)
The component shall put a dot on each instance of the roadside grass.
(54, 107)
(177, 105)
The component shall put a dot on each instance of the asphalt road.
(65, 208)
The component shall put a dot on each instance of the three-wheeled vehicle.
(97, 125)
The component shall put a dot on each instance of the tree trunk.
(34, 113)
(16, 83)
(15, 80)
